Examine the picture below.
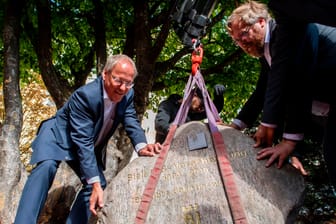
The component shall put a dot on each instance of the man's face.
(118, 82)
(250, 38)
(196, 105)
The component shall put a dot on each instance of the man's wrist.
(293, 137)
(92, 180)
(96, 184)
(238, 123)
(140, 146)
(268, 125)
(290, 145)
(289, 142)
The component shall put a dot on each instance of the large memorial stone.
(190, 189)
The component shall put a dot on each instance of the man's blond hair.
(248, 13)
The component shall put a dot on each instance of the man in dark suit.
(78, 134)
(169, 107)
(315, 64)
(290, 86)
(309, 11)
(289, 20)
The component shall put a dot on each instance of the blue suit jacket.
(71, 134)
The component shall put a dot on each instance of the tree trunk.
(12, 172)
(66, 183)
(100, 36)
(59, 88)
(147, 51)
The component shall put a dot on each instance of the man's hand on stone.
(150, 150)
(264, 136)
(277, 154)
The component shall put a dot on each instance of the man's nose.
(123, 87)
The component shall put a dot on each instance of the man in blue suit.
(78, 134)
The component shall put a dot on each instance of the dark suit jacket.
(313, 76)
(71, 134)
(259, 99)
(292, 17)
(284, 93)
(166, 114)
(309, 11)
(169, 108)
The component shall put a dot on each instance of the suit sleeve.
(219, 98)
(281, 46)
(321, 11)
(82, 123)
(299, 103)
(253, 106)
(164, 117)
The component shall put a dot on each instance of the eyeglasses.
(120, 82)
(242, 34)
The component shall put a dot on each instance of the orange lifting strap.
(227, 175)
(196, 58)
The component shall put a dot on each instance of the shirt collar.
(268, 34)
(105, 96)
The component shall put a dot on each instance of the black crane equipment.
(191, 18)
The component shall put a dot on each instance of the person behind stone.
(78, 134)
(168, 109)
(287, 93)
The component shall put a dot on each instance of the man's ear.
(103, 75)
(262, 22)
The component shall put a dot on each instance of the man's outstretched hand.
(150, 150)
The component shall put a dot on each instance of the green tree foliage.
(74, 47)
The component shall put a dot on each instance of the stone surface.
(190, 189)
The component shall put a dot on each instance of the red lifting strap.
(225, 168)
(149, 191)
(232, 194)
(226, 171)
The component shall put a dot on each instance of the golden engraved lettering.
(207, 160)
(166, 194)
(137, 176)
(238, 154)
(216, 184)
(171, 176)
(180, 190)
(161, 195)
(197, 187)
(193, 164)
(136, 199)
(197, 171)
(189, 164)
